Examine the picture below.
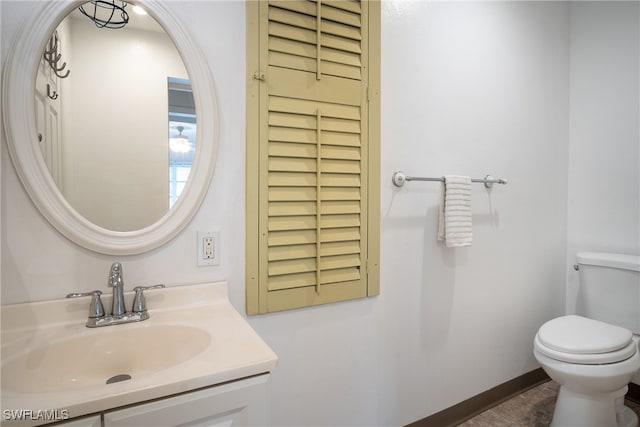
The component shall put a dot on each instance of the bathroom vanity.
(195, 360)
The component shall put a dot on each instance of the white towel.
(454, 219)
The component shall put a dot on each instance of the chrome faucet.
(117, 283)
(119, 314)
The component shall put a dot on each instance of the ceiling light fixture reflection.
(179, 143)
(106, 13)
(139, 10)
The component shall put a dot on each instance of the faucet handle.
(96, 309)
(139, 302)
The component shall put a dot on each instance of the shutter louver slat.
(348, 5)
(292, 223)
(309, 251)
(344, 138)
(340, 275)
(308, 208)
(291, 47)
(293, 62)
(341, 70)
(288, 194)
(340, 235)
(336, 152)
(338, 221)
(341, 166)
(289, 267)
(281, 238)
(342, 180)
(291, 135)
(298, 222)
(292, 150)
(341, 248)
(341, 207)
(292, 120)
(303, 106)
(339, 193)
(304, 279)
(291, 281)
(303, 136)
(290, 208)
(303, 63)
(341, 125)
(290, 179)
(279, 253)
(342, 261)
(291, 164)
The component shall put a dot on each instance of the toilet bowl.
(593, 362)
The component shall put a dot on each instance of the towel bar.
(399, 178)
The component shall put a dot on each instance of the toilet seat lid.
(579, 335)
(587, 359)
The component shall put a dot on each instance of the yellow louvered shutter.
(309, 154)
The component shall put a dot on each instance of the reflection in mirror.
(103, 128)
(182, 119)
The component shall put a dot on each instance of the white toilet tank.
(610, 288)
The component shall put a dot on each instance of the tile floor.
(533, 408)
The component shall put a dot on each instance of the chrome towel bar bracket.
(399, 178)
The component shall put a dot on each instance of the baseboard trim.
(471, 407)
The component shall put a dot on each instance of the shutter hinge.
(258, 75)
(368, 99)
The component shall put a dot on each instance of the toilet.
(594, 354)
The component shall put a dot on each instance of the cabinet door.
(240, 403)
(93, 421)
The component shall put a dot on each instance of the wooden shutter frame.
(257, 101)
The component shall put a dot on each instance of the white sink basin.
(93, 358)
(194, 338)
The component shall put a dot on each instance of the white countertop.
(234, 350)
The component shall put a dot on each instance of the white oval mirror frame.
(18, 111)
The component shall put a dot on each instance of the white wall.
(38, 263)
(470, 88)
(467, 88)
(604, 159)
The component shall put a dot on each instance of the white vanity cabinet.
(93, 421)
(237, 403)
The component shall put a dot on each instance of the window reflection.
(182, 135)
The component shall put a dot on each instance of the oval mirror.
(110, 147)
